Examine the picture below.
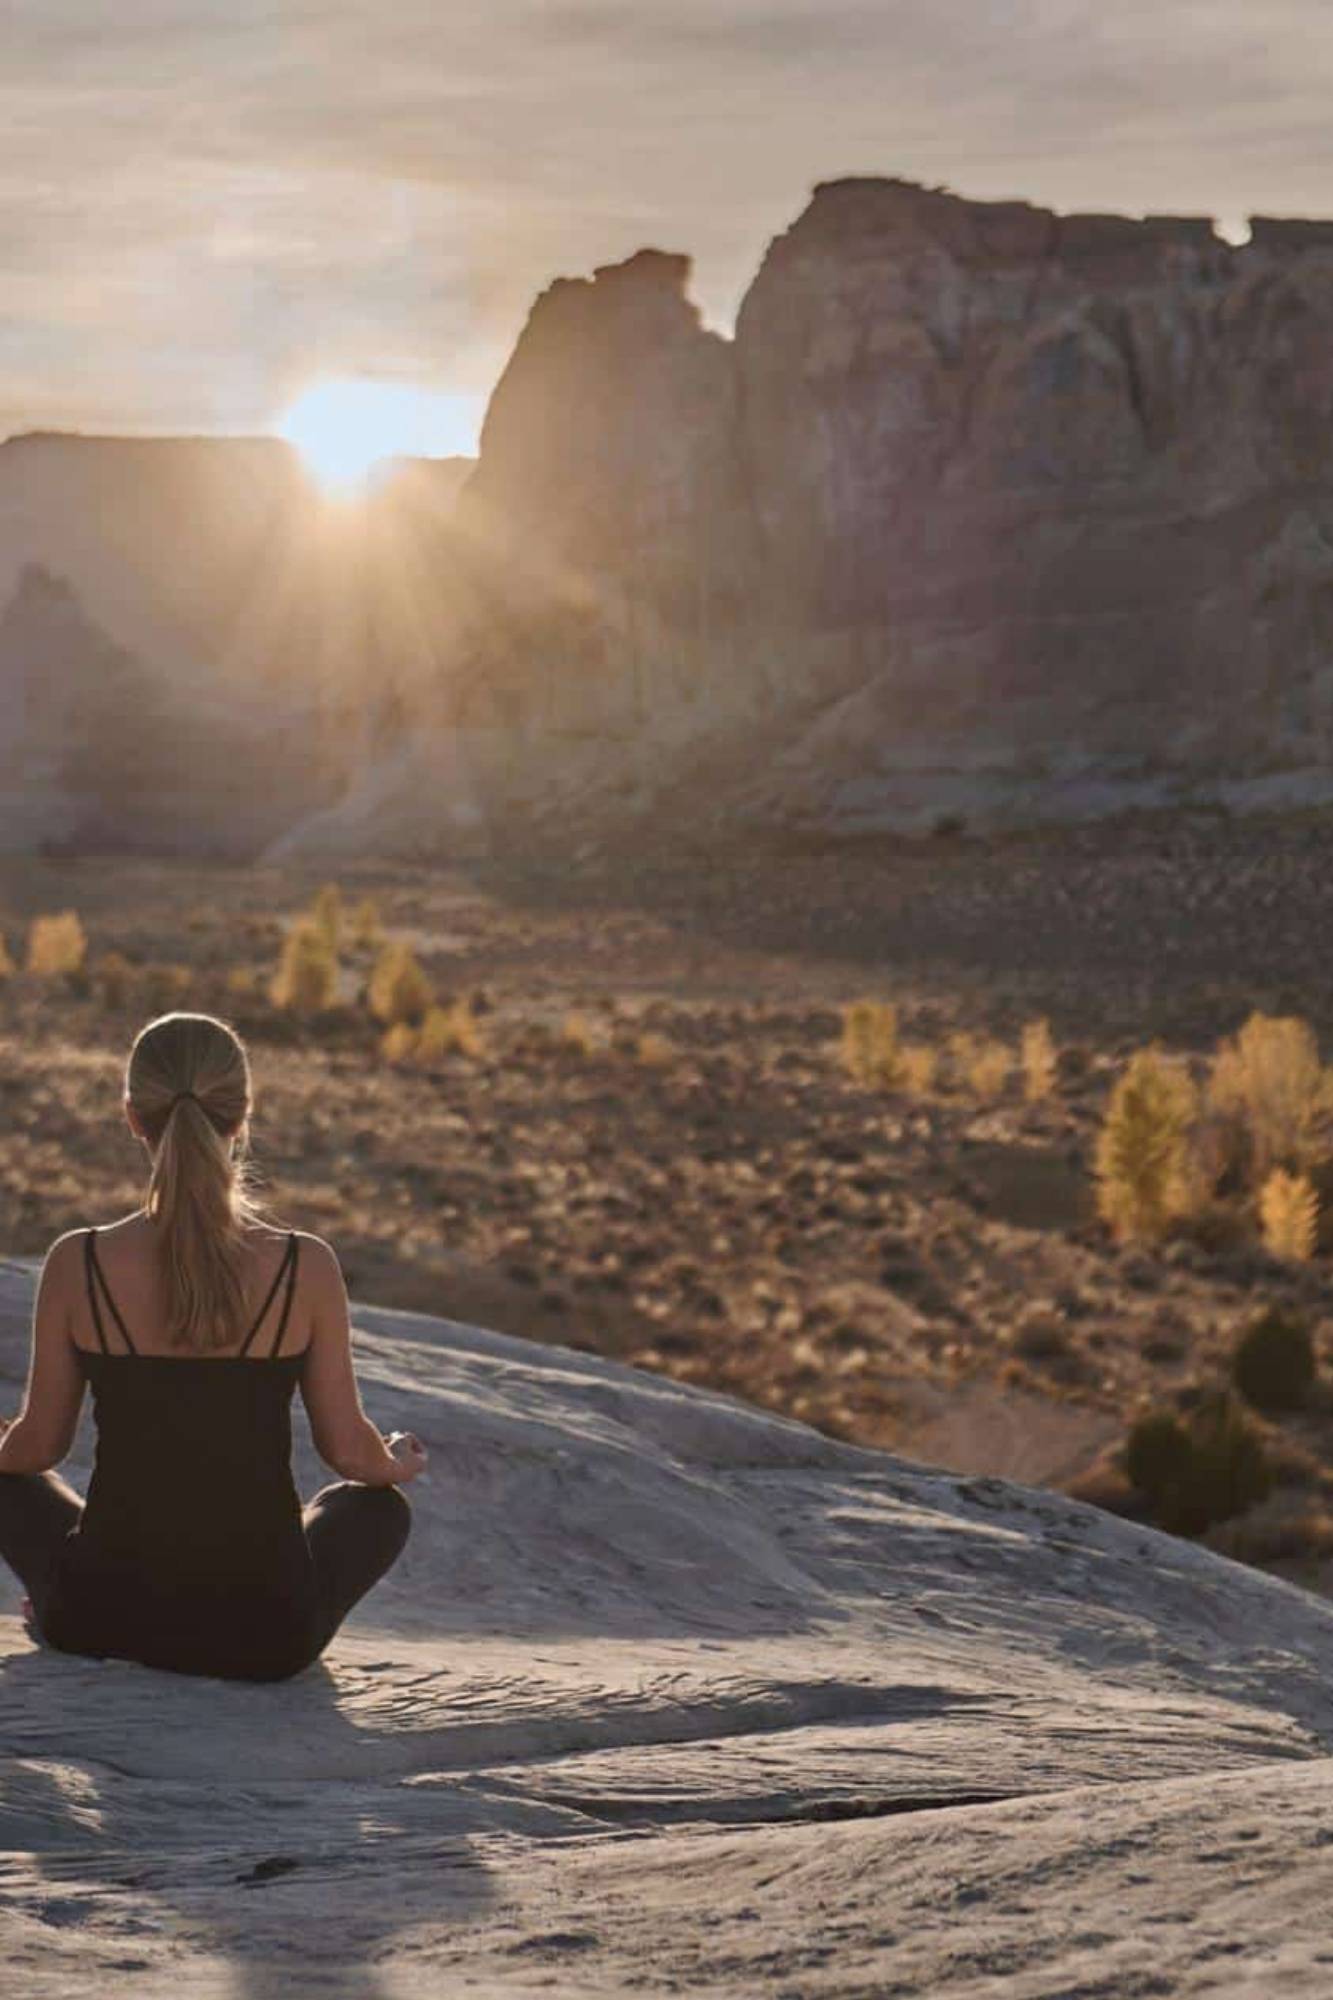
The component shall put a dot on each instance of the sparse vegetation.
(399, 991)
(748, 1217)
(1289, 1214)
(918, 1063)
(1271, 1081)
(869, 1049)
(653, 1049)
(989, 1068)
(1040, 1060)
(364, 927)
(1196, 1470)
(306, 981)
(448, 1031)
(1273, 1364)
(1143, 1159)
(56, 945)
(576, 1033)
(326, 913)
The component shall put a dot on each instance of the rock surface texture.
(670, 1695)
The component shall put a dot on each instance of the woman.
(194, 1321)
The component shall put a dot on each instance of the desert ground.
(655, 1154)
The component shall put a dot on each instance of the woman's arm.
(43, 1431)
(344, 1436)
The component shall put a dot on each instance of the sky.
(205, 205)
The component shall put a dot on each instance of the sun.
(345, 431)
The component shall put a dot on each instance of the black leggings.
(354, 1533)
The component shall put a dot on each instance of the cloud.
(214, 199)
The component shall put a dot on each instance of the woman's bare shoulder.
(70, 1248)
(318, 1258)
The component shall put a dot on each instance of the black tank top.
(191, 1551)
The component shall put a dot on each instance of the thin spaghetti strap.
(293, 1249)
(270, 1295)
(89, 1267)
(96, 1277)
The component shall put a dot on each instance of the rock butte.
(671, 1694)
(984, 511)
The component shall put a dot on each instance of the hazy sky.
(203, 203)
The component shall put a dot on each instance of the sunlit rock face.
(984, 509)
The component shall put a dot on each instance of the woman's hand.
(409, 1452)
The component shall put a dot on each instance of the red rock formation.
(986, 482)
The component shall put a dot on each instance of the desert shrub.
(446, 1031)
(869, 1048)
(1273, 1362)
(1289, 1215)
(978, 1063)
(398, 989)
(1143, 1155)
(989, 1067)
(243, 982)
(1270, 1079)
(56, 945)
(1194, 1472)
(1040, 1335)
(917, 1064)
(1155, 1450)
(364, 924)
(1040, 1060)
(576, 1034)
(398, 1043)
(113, 978)
(306, 981)
(326, 914)
(653, 1049)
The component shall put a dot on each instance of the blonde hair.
(188, 1081)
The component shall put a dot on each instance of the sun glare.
(345, 431)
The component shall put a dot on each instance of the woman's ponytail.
(188, 1081)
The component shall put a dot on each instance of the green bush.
(1273, 1364)
(1199, 1470)
(1157, 1446)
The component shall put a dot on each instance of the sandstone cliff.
(984, 507)
(983, 511)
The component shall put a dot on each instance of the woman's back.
(191, 1544)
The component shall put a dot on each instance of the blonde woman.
(194, 1322)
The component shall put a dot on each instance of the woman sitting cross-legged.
(194, 1322)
